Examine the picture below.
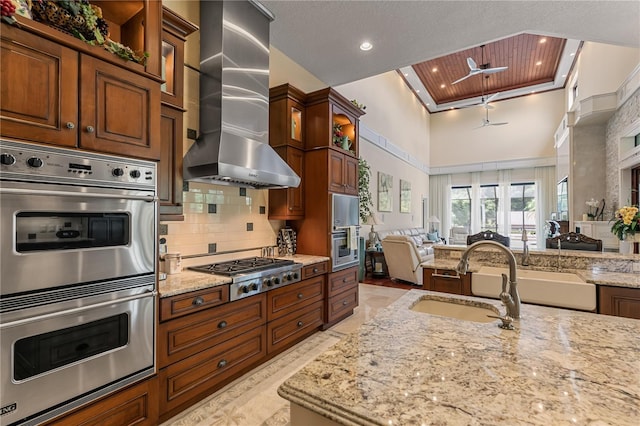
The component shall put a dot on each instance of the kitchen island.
(411, 368)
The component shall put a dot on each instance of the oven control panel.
(266, 282)
(21, 161)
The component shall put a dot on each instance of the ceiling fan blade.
(492, 97)
(487, 106)
(493, 70)
(463, 78)
(497, 124)
(472, 64)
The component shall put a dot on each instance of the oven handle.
(148, 198)
(76, 310)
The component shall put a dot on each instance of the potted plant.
(364, 178)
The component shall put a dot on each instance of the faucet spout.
(509, 294)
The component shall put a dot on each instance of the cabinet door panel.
(288, 329)
(336, 171)
(170, 164)
(619, 301)
(342, 281)
(342, 304)
(39, 89)
(120, 111)
(284, 300)
(350, 175)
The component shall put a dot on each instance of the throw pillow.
(433, 236)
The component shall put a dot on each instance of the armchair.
(404, 258)
(458, 235)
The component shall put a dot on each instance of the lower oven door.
(75, 234)
(59, 356)
(343, 254)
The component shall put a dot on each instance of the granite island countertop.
(558, 367)
(189, 280)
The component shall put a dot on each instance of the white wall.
(602, 68)
(393, 113)
(533, 119)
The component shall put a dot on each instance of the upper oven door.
(55, 235)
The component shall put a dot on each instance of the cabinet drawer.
(315, 269)
(198, 375)
(194, 301)
(286, 330)
(342, 304)
(284, 300)
(135, 405)
(187, 335)
(447, 281)
(342, 281)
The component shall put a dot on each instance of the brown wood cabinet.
(200, 352)
(286, 136)
(288, 204)
(446, 281)
(170, 164)
(118, 99)
(175, 29)
(619, 301)
(343, 172)
(137, 404)
(342, 295)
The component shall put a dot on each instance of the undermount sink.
(456, 308)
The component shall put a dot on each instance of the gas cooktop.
(254, 275)
(242, 266)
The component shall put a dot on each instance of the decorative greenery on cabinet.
(364, 178)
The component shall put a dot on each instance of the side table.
(376, 264)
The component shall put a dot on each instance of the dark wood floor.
(387, 282)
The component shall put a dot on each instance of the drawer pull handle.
(300, 323)
(344, 303)
(222, 363)
(315, 270)
(344, 280)
(90, 129)
(455, 277)
(300, 295)
(71, 125)
(222, 324)
(197, 301)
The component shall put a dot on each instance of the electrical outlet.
(636, 266)
(455, 254)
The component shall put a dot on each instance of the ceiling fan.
(485, 102)
(486, 122)
(474, 69)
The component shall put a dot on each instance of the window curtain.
(476, 219)
(504, 202)
(546, 199)
(440, 202)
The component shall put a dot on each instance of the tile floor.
(252, 400)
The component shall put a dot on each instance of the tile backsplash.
(226, 225)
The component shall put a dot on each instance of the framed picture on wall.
(385, 196)
(405, 196)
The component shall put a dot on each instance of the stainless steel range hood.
(233, 145)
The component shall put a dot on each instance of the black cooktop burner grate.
(242, 266)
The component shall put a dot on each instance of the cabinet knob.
(315, 270)
(222, 363)
(344, 303)
(290, 208)
(344, 280)
(222, 324)
(70, 125)
(90, 129)
(197, 301)
(300, 323)
(300, 296)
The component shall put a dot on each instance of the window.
(489, 207)
(522, 213)
(461, 206)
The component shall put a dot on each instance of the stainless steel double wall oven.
(77, 292)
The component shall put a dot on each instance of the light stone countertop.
(559, 367)
(189, 280)
(594, 276)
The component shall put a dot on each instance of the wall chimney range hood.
(233, 145)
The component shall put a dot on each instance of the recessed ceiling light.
(542, 40)
(572, 54)
(564, 76)
(406, 74)
(533, 91)
(434, 69)
(418, 91)
(538, 63)
(366, 46)
(442, 86)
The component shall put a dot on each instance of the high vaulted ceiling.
(324, 36)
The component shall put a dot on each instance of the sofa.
(405, 250)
